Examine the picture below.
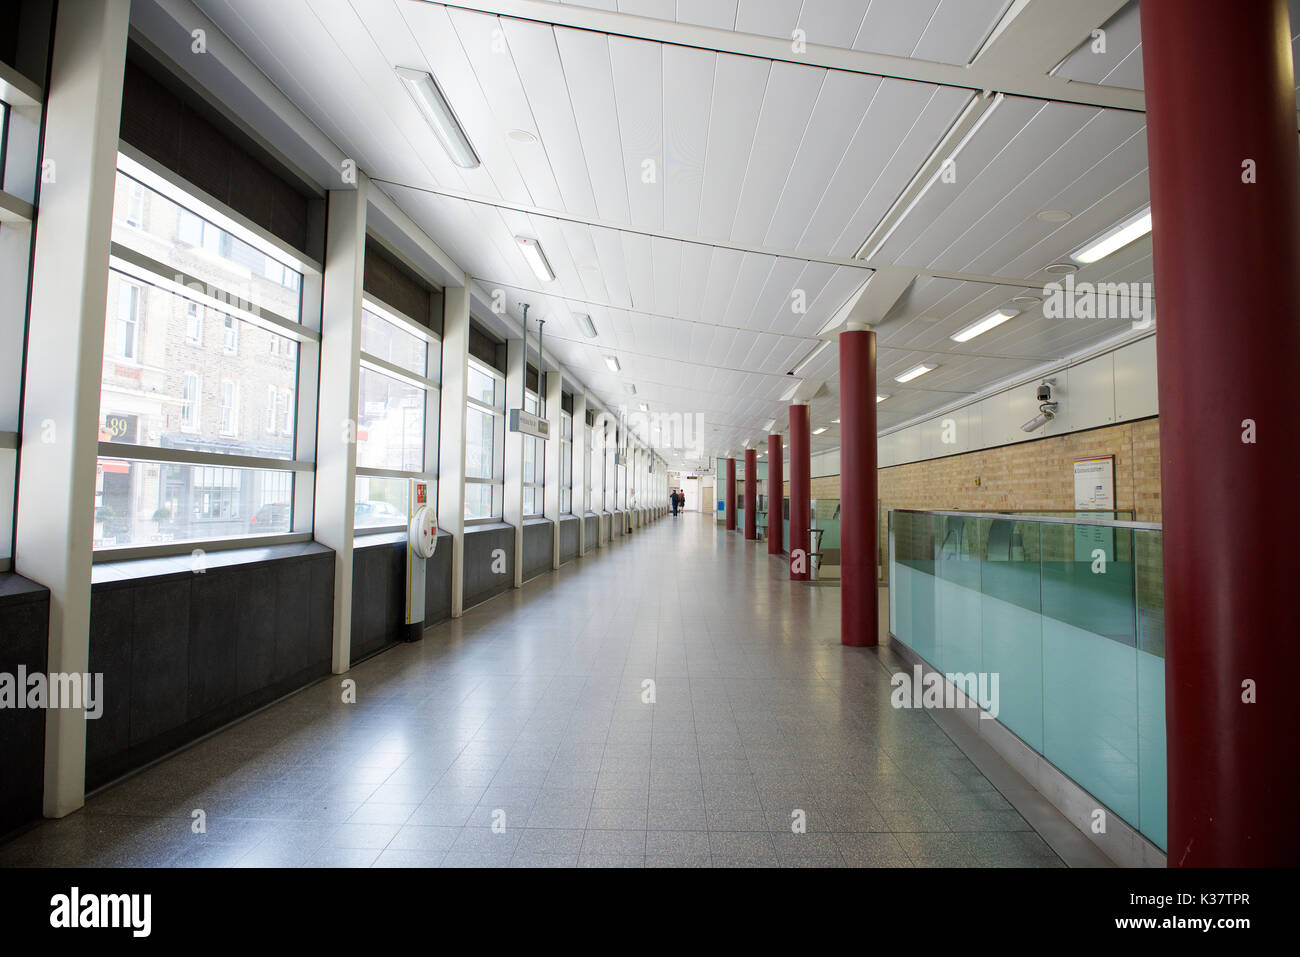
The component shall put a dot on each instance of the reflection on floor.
(671, 700)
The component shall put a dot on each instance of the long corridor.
(677, 702)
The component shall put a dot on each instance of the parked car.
(271, 518)
(372, 514)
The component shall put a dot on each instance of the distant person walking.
(675, 496)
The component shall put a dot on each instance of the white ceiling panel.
(639, 144)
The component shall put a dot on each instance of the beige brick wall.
(1035, 475)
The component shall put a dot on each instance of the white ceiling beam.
(850, 263)
(1036, 35)
(449, 272)
(17, 90)
(1008, 76)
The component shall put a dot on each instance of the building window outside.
(166, 431)
(190, 393)
(129, 297)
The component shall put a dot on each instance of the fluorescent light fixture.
(819, 431)
(644, 407)
(811, 356)
(942, 168)
(978, 328)
(913, 373)
(532, 251)
(1117, 237)
(612, 362)
(423, 89)
(879, 399)
(586, 325)
(837, 421)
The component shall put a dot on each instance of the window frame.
(566, 462)
(134, 266)
(498, 413)
(432, 388)
(538, 447)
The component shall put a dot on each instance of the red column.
(1220, 103)
(859, 540)
(800, 492)
(729, 495)
(751, 493)
(775, 493)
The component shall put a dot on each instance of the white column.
(336, 431)
(578, 467)
(451, 434)
(512, 511)
(552, 391)
(65, 357)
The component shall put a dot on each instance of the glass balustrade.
(1068, 613)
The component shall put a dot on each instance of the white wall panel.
(1135, 380)
(1091, 399)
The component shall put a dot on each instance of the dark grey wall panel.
(378, 594)
(24, 643)
(481, 582)
(183, 653)
(437, 583)
(568, 539)
(539, 545)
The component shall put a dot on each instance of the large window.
(484, 442)
(586, 469)
(18, 160)
(198, 432)
(566, 463)
(534, 464)
(607, 466)
(397, 416)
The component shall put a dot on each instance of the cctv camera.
(1044, 393)
(1046, 413)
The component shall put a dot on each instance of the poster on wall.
(1094, 490)
(1094, 484)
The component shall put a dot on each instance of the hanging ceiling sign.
(529, 424)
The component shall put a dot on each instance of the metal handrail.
(1043, 519)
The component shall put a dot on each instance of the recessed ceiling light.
(914, 372)
(1061, 269)
(522, 136)
(819, 431)
(532, 251)
(644, 407)
(1055, 216)
(991, 321)
(1115, 238)
(837, 421)
(612, 362)
(1027, 301)
(424, 90)
(586, 325)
